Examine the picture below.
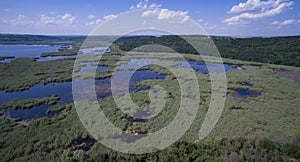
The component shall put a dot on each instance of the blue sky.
(217, 17)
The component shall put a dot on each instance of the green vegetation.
(6, 57)
(97, 74)
(71, 52)
(29, 103)
(40, 39)
(55, 140)
(277, 50)
(278, 100)
(263, 128)
(23, 73)
(59, 108)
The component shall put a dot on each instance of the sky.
(216, 17)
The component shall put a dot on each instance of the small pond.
(247, 93)
(247, 85)
(203, 67)
(241, 95)
(88, 67)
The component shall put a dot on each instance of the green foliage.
(41, 139)
(267, 144)
(23, 73)
(275, 50)
(40, 39)
(71, 52)
(295, 133)
(59, 108)
(292, 150)
(6, 57)
(29, 103)
(97, 74)
(276, 112)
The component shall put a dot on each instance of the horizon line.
(110, 35)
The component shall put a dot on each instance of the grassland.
(23, 73)
(263, 128)
(29, 103)
(71, 52)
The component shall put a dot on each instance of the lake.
(102, 87)
(22, 50)
(64, 92)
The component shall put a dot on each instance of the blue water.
(64, 91)
(22, 50)
(35, 112)
(7, 60)
(203, 67)
(95, 50)
(102, 87)
(247, 84)
(39, 91)
(138, 63)
(89, 67)
(247, 93)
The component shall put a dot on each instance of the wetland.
(39, 121)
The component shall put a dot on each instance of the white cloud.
(132, 8)
(109, 17)
(91, 17)
(256, 5)
(286, 22)
(66, 19)
(47, 19)
(21, 17)
(143, 4)
(275, 23)
(22, 20)
(97, 21)
(153, 5)
(200, 20)
(165, 14)
(212, 27)
(150, 12)
(257, 9)
(19, 20)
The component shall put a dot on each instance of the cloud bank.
(257, 9)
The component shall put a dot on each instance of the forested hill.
(275, 50)
(39, 39)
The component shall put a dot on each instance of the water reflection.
(203, 67)
(64, 91)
